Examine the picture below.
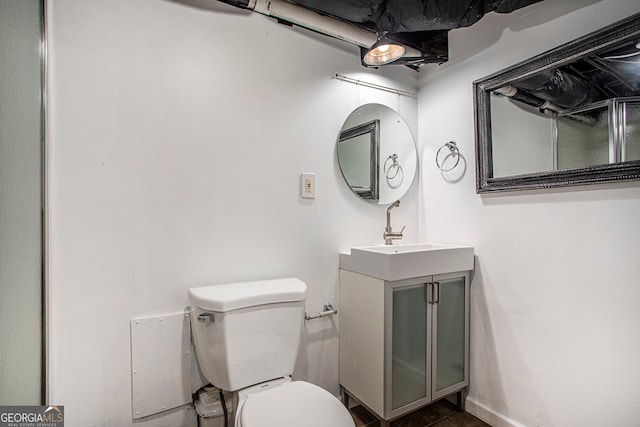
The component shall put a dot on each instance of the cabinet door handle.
(430, 293)
(436, 298)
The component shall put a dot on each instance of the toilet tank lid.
(232, 296)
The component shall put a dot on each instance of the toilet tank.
(246, 333)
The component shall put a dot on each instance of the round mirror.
(377, 154)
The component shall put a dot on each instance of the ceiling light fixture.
(384, 51)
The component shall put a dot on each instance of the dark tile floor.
(440, 414)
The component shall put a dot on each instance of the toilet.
(246, 337)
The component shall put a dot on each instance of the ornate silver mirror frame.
(627, 29)
(360, 146)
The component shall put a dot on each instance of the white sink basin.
(397, 262)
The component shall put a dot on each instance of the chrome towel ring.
(453, 151)
(392, 170)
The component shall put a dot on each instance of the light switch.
(308, 185)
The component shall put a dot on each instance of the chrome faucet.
(390, 235)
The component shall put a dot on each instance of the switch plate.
(308, 185)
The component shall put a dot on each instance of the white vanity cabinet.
(403, 343)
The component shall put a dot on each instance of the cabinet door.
(451, 334)
(410, 372)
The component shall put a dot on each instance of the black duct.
(397, 16)
(559, 87)
(420, 25)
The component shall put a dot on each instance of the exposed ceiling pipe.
(313, 21)
(519, 95)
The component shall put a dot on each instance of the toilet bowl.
(286, 403)
(246, 336)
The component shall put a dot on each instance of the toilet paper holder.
(327, 310)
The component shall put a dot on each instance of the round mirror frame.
(377, 154)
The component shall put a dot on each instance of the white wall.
(171, 168)
(555, 294)
(522, 138)
(177, 139)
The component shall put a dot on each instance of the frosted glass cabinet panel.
(409, 346)
(403, 344)
(451, 327)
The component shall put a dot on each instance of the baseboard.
(488, 415)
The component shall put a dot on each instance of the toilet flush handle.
(206, 318)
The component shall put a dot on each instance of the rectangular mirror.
(358, 153)
(569, 116)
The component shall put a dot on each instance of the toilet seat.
(293, 404)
